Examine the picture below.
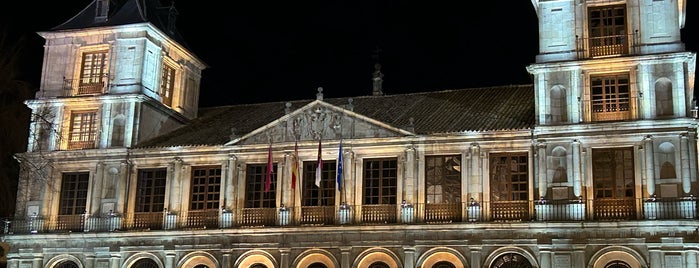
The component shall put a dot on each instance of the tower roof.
(124, 12)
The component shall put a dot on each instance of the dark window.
(150, 190)
(443, 264)
(317, 265)
(67, 264)
(379, 264)
(145, 263)
(74, 193)
(613, 173)
(206, 188)
(255, 195)
(325, 194)
(443, 179)
(511, 260)
(258, 265)
(509, 177)
(380, 181)
(617, 264)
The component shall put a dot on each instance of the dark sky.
(260, 51)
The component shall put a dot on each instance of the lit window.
(607, 30)
(167, 84)
(93, 74)
(610, 97)
(83, 130)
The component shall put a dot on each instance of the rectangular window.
(150, 190)
(443, 188)
(610, 97)
(607, 31)
(206, 188)
(509, 177)
(150, 199)
(167, 84)
(83, 130)
(93, 75)
(380, 181)
(614, 184)
(74, 193)
(325, 194)
(73, 201)
(255, 195)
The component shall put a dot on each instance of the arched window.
(379, 264)
(617, 264)
(663, 97)
(443, 264)
(201, 266)
(317, 265)
(666, 159)
(258, 265)
(67, 264)
(145, 263)
(559, 165)
(511, 260)
(559, 106)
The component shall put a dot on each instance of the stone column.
(409, 253)
(577, 172)
(114, 259)
(475, 257)
(96, 191)
(475, 186)
(175, 184)
(38, 261)
(649, 165)
(410, 179)
(691, 259)
(229, 185)
(684, 155)
(345, 261)
(284, 262)
(543, 181)
(546, 256)
(170, 259)
(656, 258)
(226, 261)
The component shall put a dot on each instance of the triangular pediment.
(320, 120)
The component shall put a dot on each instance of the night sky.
(263, 51)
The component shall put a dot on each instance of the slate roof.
(501, 108)
(123, 12)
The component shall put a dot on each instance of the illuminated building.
(593, 165)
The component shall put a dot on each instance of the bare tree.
(14, 116)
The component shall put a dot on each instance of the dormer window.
(101, 10)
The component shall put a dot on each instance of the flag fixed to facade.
(339, 168)
(268, 177)
(319, 164)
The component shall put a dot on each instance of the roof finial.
(378, 80)
(319, 95)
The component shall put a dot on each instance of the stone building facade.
(593, 165)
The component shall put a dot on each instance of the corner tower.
(603, 61)
(116, 73)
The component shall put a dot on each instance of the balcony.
(85, 86)
(606, 46)
(457, 213)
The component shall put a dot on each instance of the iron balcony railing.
(624, 209)
(96, 84)
(607, 46)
